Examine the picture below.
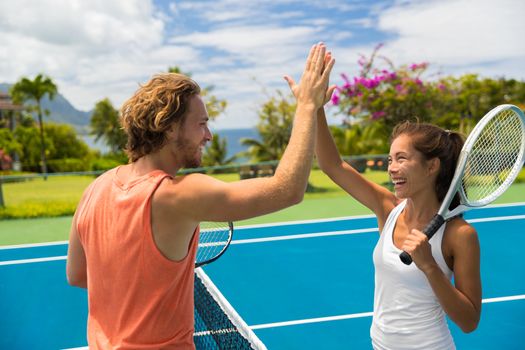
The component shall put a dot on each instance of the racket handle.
(405, 258)
(429, 231)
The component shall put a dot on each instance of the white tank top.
(407, 313)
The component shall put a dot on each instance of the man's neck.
(154, 161)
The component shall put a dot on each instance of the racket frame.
(218, 255)
(443, 215)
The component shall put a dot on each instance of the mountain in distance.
(60, 110)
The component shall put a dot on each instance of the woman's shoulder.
(460, 225)
(460, 232)
(460, 238)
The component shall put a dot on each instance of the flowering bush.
(378, 98)
(5, 161)
(384, 95)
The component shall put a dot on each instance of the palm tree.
(26, 90)
(217, 152)
(105, 123)
(274, 127)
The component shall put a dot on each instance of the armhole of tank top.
(391, 219)
(441, 257)
(151, 239)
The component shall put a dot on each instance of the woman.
(410, 302)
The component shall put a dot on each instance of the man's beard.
(188, 154)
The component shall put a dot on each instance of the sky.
(106, 48)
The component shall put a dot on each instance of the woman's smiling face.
(407, 168)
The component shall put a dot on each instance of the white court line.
(33, 245)
(350, 232)
(30, 261)
(270, 239)
(311, 320)
(360, 315)
(499, 218)
(303, 235)
(286, 237)
(301, 222)
(298, 222)
(344, 317)
(355, 217)
(500, 299)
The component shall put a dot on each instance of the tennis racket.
(490, 160)
(214, 239)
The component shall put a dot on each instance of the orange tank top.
(138, 299)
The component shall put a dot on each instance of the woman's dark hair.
(434, 142)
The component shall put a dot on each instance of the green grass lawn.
(56, 196)
(59, 195)
(326, 201)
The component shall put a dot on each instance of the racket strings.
(213, 239)
(493, 157)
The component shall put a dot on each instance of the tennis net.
(217, 324)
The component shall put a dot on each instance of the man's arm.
(202, 198)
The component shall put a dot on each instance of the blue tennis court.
(298, 285)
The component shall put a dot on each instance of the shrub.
(104, 164)
(521, 176)
(67, 165)
(36, 210)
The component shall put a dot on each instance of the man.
(135, 232)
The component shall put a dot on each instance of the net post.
(2, 203)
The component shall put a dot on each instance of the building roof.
(6, 104)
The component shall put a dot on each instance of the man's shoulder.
(190, 184)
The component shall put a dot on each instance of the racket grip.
(405, 258)
(429, 231)
(433, 225)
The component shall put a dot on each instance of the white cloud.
(247, 42)
(104, 48)
(88, 47)
(458, 35)
(99, 24)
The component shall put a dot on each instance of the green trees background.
(382, 95)
(368, 106)
(34, 90)
(274, 128)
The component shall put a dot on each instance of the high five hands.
(313, 87)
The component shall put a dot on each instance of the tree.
(62, 146)
(274, 127)
(65, 142)
(27, 90)
(378, 98)
(105, 124)
(8, 142)
(217, 152)
(357, 138)
(463, 101)
(28, 138)
(386, 95)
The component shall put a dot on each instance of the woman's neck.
(421, 209)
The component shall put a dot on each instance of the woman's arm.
(373, 196)
(461, 302)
